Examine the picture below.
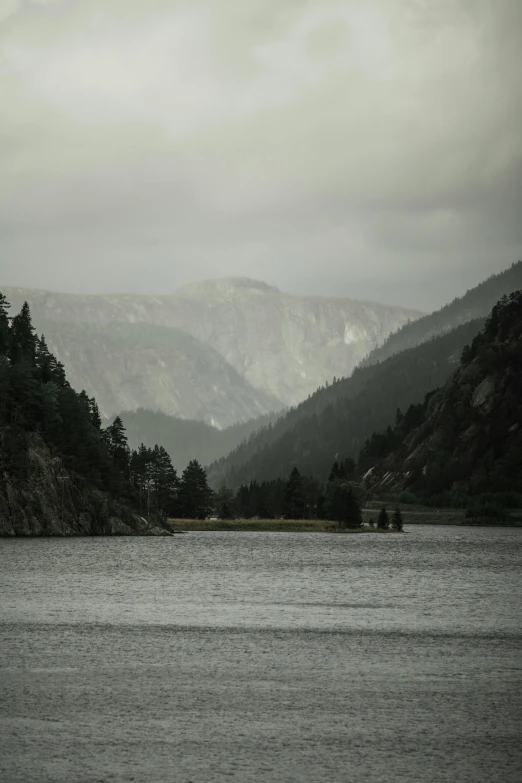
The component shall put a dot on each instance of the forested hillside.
(335, 422)
(476, 303)
(61, 472)
(187, 439)
(466, 438)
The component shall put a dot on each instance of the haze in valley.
(363, 149)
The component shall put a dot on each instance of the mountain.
(284, 346)
(476, 303)
(335, 422)
(60, 472)
(466, 439)
(185, 439)
(129, 365)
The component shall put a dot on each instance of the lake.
(262, 657)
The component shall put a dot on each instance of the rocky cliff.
(130, 366)
(54, 502)
(467, 437)
(284, 346)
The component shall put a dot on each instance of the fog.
(360, 148)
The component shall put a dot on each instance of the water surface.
(262, 657)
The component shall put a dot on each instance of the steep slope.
(335, 422)
(60, 472)
(283, 345)
(185, 440)
(127, 366)
(467, 437)
(476, 303)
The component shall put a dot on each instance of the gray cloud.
(364, 148)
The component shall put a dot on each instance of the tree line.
(38, 405)
(338, 500)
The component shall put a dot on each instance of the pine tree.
(195, 496)
(383, 520)
(50, 369)
(165, 482)
(397, 522)
(95, 414)
(4, 325)
(118, 446)
(342, 505)
(294, 507)
(22, 339)
(224, 502)
(335, 472)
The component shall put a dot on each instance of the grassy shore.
(268, 525)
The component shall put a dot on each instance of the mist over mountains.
(222, 351)
(335, 422)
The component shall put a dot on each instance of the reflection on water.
(262, 657)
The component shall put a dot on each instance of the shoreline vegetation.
(268, 525)
(413, 515)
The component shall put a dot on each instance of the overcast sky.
(370, 148)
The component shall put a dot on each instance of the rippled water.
(262, 657)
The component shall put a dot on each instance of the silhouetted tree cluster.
(36, 401)
(195, 498)
(298, 497)
(155, 478)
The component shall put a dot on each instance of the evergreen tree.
(4, 325)
(397, 521)
(383, 520)
(294, 507)
(195, 496)
(22, 340)
(38, 408)
(117, 442)
(95, 414)
(165, 482)
(224, 502)
(50, 369)
(342, 504)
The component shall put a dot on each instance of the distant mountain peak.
(226, 286)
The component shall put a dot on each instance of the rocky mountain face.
(335, 422)
(129, 365)
(466, 440)
(281, 347)
(51, 502)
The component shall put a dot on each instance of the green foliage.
(195, 498)
(224, 502)
(37, 401)
(342, 505)
(397, 521)
(294, 507)
(156, 481)
(383, 520)
(4, 325)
